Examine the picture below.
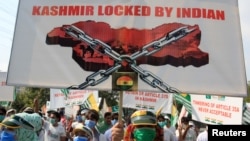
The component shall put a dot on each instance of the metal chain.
(147, 50)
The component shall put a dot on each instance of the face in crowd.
(91, 119)
(82, 133)
(108, 118)
(54, 118)
(145, 123)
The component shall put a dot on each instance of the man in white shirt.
(53, 130)
(168, 125)
(168, 135)
(203, 135)
(185, 132)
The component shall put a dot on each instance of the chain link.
(147, 50)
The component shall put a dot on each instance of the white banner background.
(34, 63)
(217, 109)
(6, 92)
(75, 97)
(148, 100)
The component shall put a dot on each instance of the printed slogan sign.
(58, 98)
(148, 100)
(181, 46)
(221, 110)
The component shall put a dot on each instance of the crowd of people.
(86, 125)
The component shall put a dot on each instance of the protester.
(161, 121)
(10, 112)
(80, 117)
(21, 127)
(84, 114)
(28, 110)
(91, 120)
(195, 127)
(115, 116)
(168, 125)
(50, 111)
(203, 136)
(61, 111)
(168, 135)
(2, 114)
(26, 132)
(8, 130)
(53, 130)
(185, 131)
(145, 127)
(82, 133)
(106, 124)
(2, 117)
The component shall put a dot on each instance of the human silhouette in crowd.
(185, 131)
(10, 112)
(2, 114)
(91, 120)
(80, 117)
(21, 127)
(144, 127)
(106, 124)
(161, 121)
(168, 125)
(53, 130)
(203, 136)
(82, 133)
(114, 118)
(61, 111)
(168, 135)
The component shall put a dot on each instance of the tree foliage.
(25, 97)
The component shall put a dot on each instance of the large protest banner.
(6, 92)
(73, 97)
(221, 110)
(193, 46)
(148, 100)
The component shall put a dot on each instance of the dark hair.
(3, 110)
(114, 115)
(184, 120)
(160, 116)
(93, 114)
(106, 114)
(56, 114)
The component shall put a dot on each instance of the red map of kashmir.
(182, 52)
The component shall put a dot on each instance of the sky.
(8, 10)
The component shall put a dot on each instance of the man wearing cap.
(80, 117)
(168, 125)
(145, 127)
(10, 112)
(8, 129)
(82, 133)
(7, 133)
(20, 128)
(28, 110)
